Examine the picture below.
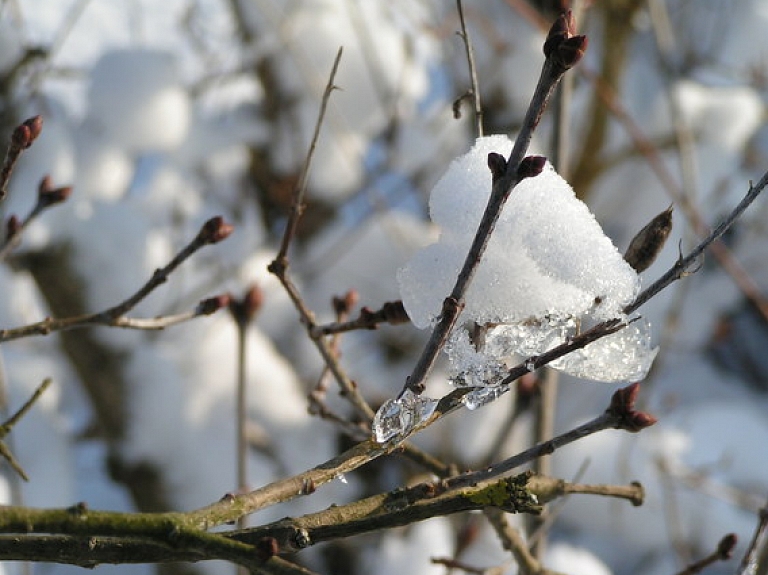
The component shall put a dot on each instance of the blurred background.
(161, 115)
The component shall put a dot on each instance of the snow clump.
(548, 272)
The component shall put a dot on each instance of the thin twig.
(503, 184)
(301, 187)
(678, 270)
(392, 313)
(47, 197)
(645, 147)
(213, 231)
(755, 561)
(722, 553)
(719, 251)
(475, 90)
(8, 425)
(22, 138)
(513, 542)
(341, 306)
(279, 266)
(621, 414)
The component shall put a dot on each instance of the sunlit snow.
(548, 272)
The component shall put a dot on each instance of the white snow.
(547, 256)
(137, 99)
(548, 268)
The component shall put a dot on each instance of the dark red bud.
(562, 29)
(48, 196)
(394, 313)
(12, 227)
(59, 195)
(21, 137)
(497, 164)
(35, 125)
(530, 167)
(637, 421)
(26, 132)
(215, 230)
(213, 304)
(267, 547)
(726, 546)
(244, 310)
(252, 301)
(45, 185)
(571, 51)
(622, 408)
(624, 399)
(343, 305)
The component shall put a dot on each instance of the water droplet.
(341, 477)
(530, 365)
(397, 417)
(483, 395)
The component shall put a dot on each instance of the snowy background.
(163, 114)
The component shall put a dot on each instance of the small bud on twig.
(35, 126)
(215, 230)
(244, 310)
(497, 164)
(571, 51)
(213, 304)
(27, 132)
(622, 407)
(12, 227)
(562, 46)
(530, 167)
(648, 242)
(726, 546)
(342, 306)
(562, 29)
(48, 196)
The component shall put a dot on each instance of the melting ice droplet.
(396, 417)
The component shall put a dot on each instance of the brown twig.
(342, 307)
(475, 85)
(279, 266)
(393, 509)
(646, 148)
(47, 196)
(678, 270)
(299, 206)
(243, 311)
(562, 50)
(721, 253)
(513, 542)
(723, 552)
(7, 426)
(755, 561)
(391, 312)
(58, 534)
(22, 138)
(213, 231)
(621, 414)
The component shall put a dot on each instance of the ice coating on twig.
(397, 417)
